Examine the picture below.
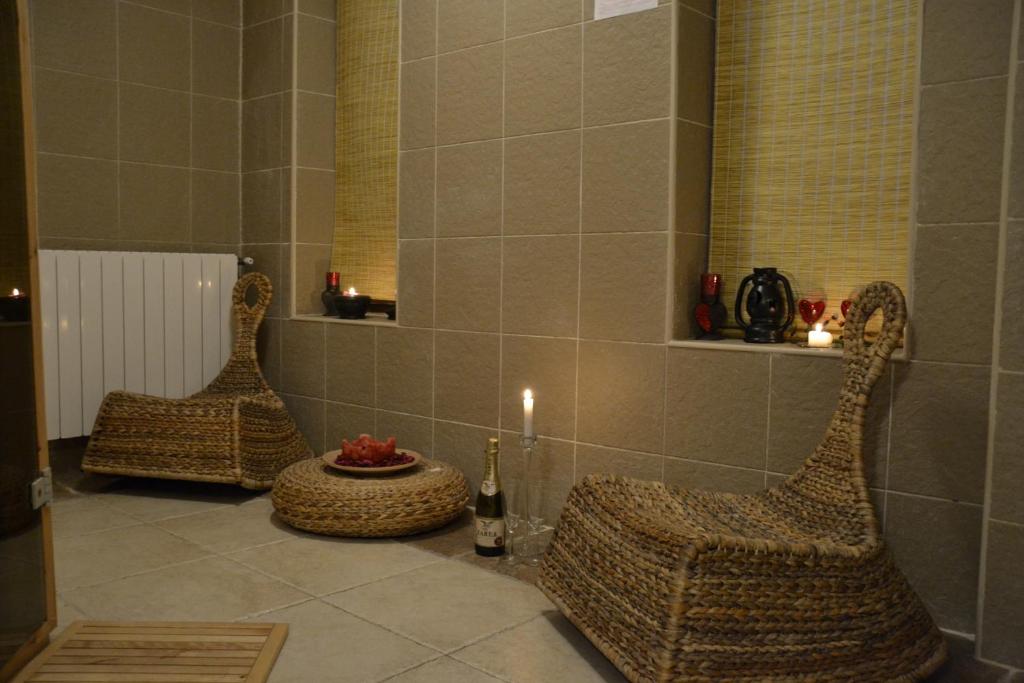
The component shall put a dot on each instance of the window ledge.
(371, 319)
(786, 347)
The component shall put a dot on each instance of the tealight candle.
(351, 304)
(818, 338)
(528, 414)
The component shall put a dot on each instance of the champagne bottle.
(490, 507)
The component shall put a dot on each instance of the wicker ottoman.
(311, 496)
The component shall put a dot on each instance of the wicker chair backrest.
(241, 375)
(831, 483)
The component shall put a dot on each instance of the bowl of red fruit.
(366, 455)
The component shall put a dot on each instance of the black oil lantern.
(765, 306)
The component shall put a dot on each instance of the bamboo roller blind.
(813, 134)
(366, 147)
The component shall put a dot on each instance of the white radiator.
(151, 323)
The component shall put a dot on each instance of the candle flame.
(352, 291)
(527, 395)
(817, 327)
(15, 292)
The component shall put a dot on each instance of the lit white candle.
(528, 414)
(15, 292)
(818, 338)
(351, 291)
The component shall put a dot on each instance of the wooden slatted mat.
(154, 652)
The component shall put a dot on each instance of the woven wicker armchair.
(236, 430)
(791, 584)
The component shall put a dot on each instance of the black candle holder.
(352, 307)
(15, 308)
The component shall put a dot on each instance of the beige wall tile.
(314, 206)
(77, 197)
(416, 193)
(465, 23)
(215, 207)
(311, 262)
(717, 406)
(695, 74)
(351, 352)
(417, 105)
(214, 134)
(466, 373)
(75, 114)
(268, 351)
(529, 16)
(419, 28)
(963, 40)
(690, 260)
(263, 59)
(1008, 460)
(75, 35)
(176, 6)
(227, 12)
(1016, 198)
(540, 285)
(256, 11)
(215, 56)
(804, 396)
(469, 95)
(316, 131)
(542, 184)
(302, 358)
(706, 476)
(344, 421)
(542, 81)
(626, 177)
(940, 251)
(468, 283)
(939, 431)
(410, 431)
(405, 366)
(325, 9)
(1011, 353)
(693, 178)
(316, 57)
(463, 446)
(621, 395)
(469, 189)
(601, 460)
(262, 126)
(308, 414)
(1001, 637)
(154, 202)
(153, 47)
(936, 543)
(154, 125)
(960, 151)
(618, 299)
(416, 283)
(626, 76)
(261, 206)
(548, 368)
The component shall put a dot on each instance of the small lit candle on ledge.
(528, 414)
(818, 338)
(351, 304)
(14, 308)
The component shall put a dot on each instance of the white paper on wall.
(605, 9)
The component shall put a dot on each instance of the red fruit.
(367, 449)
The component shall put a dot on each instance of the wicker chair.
(790, 584)
(236, 430)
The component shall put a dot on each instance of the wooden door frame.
(41, 636)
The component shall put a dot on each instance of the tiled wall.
(137, 123)
(1002, 614)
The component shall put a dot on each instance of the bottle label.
(488, 487)
(490, 532)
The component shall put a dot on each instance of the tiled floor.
(425, 609)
